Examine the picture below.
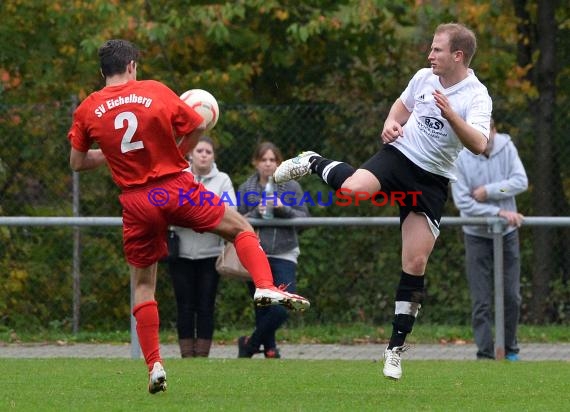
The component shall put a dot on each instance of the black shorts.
(397, 173)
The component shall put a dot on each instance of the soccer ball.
(204, 103)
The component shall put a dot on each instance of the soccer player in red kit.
(142, 129)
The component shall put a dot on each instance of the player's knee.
(232, 224)
(354, 187)
(416, 264)
(241, 224)
(361, 181)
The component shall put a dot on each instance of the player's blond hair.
(461, 39)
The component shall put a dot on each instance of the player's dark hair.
(461, 39)
(262, 148)
(115, 55)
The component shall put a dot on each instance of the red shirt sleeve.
(77, 135)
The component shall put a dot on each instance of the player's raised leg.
(235, 228)
(334, 173)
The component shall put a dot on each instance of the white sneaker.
(278, 296)
(393, 360)
(295, 168)
(157, 378)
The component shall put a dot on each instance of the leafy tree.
(539, 37)
(316, 72)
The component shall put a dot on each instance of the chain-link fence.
(349, 274)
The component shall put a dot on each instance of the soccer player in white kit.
(443, 109)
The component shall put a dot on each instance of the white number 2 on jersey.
(132, 124)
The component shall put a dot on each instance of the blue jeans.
(270, 318)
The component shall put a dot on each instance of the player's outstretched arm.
(91, 159)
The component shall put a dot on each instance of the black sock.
(402, 325)
(409, 296)
(332, 172)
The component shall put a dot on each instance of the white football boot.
(295, 168)
(157, 379)
(393, 361)
(278, 296)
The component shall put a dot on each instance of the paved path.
(530, 352)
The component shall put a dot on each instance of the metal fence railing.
(495, 224)
(35, 180)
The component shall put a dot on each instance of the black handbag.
(173, 242)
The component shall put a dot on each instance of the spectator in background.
(279, 243)
(192, 268)
(486, 186)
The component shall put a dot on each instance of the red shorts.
(173, 200)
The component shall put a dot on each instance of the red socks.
(254, 259)
(146, 314)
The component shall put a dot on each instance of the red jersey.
(135, 125)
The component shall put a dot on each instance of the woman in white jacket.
(192, 266)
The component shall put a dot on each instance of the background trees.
(319, 73)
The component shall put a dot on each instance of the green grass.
(283, 385)
(328, 333)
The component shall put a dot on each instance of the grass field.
(283, 385)
(353, 333)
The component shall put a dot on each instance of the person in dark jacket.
(281, 244)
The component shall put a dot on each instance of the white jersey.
(429, 141)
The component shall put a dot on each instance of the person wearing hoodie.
(486, 186)
(192, 266)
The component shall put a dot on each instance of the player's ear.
(459, 55)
